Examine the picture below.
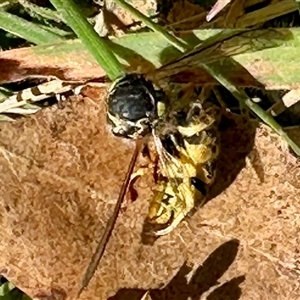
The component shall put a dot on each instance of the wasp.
(186, 142)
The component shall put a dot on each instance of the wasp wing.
(187, 154)
(174, 195)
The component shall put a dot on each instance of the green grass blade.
(5, 288)
(60, 32)
(27, 30)
(298, 4)
(95, 44)
(181, 46)
(43, 12)
(150, 51)
(220, 75)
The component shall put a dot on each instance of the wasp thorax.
(132, 106)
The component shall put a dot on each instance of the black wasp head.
(132, 105)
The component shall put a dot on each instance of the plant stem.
(181, 46)
(244, 100)
(93, 42)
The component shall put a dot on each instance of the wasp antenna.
(95, 260)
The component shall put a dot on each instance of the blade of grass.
(214, 70)
(5, 288)
(180, 45)
(4, 118)
(35, 10)
(63, 33)
(27, 109)
(94, 43)
(268, 67)
(228, 43)
(298, 4)
(27, 30)
(92, 267)
(4, 93)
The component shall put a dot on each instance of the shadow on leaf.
(203, 278)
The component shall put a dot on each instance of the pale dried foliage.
(61, 171)
(232, 14)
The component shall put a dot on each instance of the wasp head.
(132, 106)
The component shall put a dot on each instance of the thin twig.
(92, 267)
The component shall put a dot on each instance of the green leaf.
(94, 43)
(176, 42)
(27, 30)
(5, 288)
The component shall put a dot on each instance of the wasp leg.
(140, 172)
(132, 193)
(170, 228)
(194, 108)
(174, 223)
(152, 162)
(200, 196)
(199, 185)
(158, 212)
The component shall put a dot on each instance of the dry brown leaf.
(291, 98)
(274, 9)
(235, 11)
(241, 14)
(22, 63)
(125, 18)
(18, 64)
(73, 64)
(182, 10)
(61, 171)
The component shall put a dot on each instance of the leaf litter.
(60, 179)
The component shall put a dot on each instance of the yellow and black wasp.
(186, 142)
